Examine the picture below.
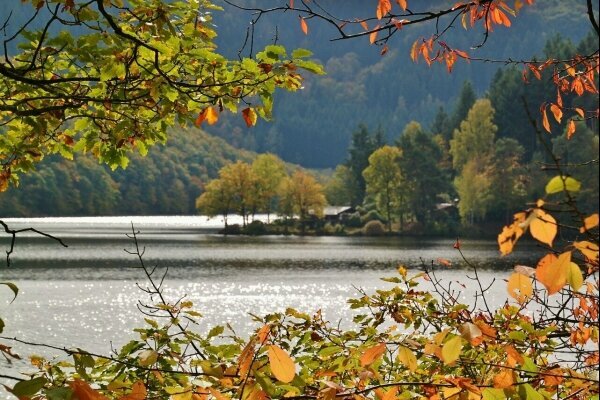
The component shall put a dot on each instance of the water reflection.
(85, 295)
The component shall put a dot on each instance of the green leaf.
(29, 388)
(59, 394)
(557, 185)
(301, 53)
(12, 287)
(493, 394)
(527, 392)
(216, 331)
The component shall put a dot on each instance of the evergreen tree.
(363, 145)
(422, 174)
(466, 99)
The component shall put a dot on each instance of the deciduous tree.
(385, 182)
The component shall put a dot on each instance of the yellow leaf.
(451, 393)
(589, 223)
(372, 354)
(282, 366)
(561, 183)
(407, 357)
(543, 227)
(574, 276)
(511, 233)
(147, 357)
(552, 272)
(212, 116)
(451, 350)
(588, 249)
(520, 287)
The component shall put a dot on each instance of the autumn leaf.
(561, 183)
(373, 35)
(557, 112)
(504, 379)
(543, 227)
(303, 26)
(407, 358)
(588, 249)
(574, 276)
(553, 271)
(470, 332)
(589, 223)
(245, 359)
(451, 350)
(250, 116)
(383, 7)
(372, 354)
(83, 391)
(520, 287)
(212, 116)
(147, 357)
(545, 122)
(402, 4)
(138, 392)
(282, 366)
(570, 129)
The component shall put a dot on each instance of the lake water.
(85, 295)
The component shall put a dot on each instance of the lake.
(85, 295)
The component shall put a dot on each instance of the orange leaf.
(504, 379)
(303, 26)
(373, 35)
(201, 117)
(250, 116)
(570, 129)
(580, 112)
(402, 4)
(543, 227)
(83, 391)
(212, 116)
(588, 249)
(138, 392)
(520, 287)
(545, 121)
(372, 354)
(557, 112)
(245, 359)
(383, 7)
(444, 262)
(589, 223)
(364, 25)
(263, 333)
(282, 366)
(552, 272)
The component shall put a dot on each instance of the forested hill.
(165, 182)
(313, 127)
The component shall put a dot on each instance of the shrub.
(374, 228)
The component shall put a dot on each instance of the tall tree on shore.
(384, 182)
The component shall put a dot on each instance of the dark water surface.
(85, 295)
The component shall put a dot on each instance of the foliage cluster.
(262, 187)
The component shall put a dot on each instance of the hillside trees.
(364, 143)
(302, 195)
